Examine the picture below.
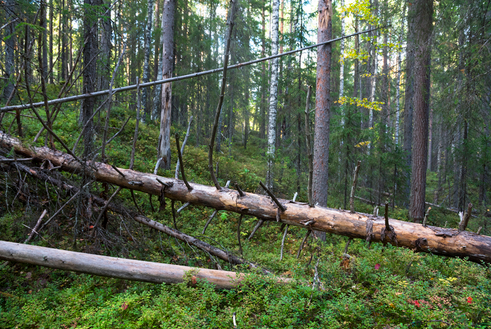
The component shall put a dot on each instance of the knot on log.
(391, 234)
(421, 244)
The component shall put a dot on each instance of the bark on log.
(113, 267)
(436, 240)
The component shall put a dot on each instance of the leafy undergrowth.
(377, 287)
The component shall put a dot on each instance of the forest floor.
(376, 287)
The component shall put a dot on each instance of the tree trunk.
(422, 32)
(322, 107)
(146, 64)
(44, 65)
(51, 36)
(157, 98)
(341, 69)
(398, 83)
(485, 146)
(127, 269)
(273, 95)
(439, 241)
(409, 92)
(9, 49)
(105, 58)
(90, 71)
(88, 19)
(262, 114)
(167, 67)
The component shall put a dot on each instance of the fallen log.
(113, 267)
(430, 239)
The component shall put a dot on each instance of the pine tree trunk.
(322, 106)
(409, 92)
(422, 32)
(90, 71)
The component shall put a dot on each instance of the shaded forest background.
(371, 113)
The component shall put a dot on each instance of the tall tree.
(409, 92)
(422, 33)
(90, 70)
(167, 68)
(341, 70)
(273, 93)
(10, 16)
(146, 65)
(322, 105)
(106, 36)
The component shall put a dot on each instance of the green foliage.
(376, 288)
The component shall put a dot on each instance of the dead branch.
(176, 176)
(230, 23)
(353, 187)
(182, 164)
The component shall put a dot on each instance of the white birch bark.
(373, 83)
(398, 89)
(273, 90)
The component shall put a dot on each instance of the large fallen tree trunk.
(440, 241)
(113, 267)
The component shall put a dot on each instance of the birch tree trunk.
(422, 32)
(398, 83)
(146, 64)
(167, 66)
(273, 94)
(373, 80)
